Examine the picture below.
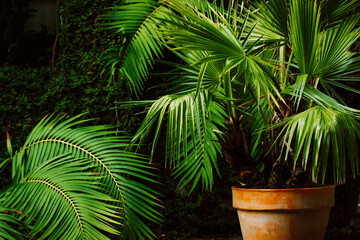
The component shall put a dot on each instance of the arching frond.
(122, 172)
(135, 22)
(61, 199)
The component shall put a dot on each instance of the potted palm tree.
(258, 83)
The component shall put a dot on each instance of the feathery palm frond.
(135, 21)
(61, 200)
(122, 172)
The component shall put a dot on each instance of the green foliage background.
(74, 85)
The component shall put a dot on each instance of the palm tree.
(77, 183)
(259, 82)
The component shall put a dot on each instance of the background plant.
(73, 86)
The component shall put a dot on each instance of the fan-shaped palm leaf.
(221, 42)
(304, 33)
(336, 62)
(271, 19)
(185, 78)
(321, 132)
(191, 143)
(327, 129)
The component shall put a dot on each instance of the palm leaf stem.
(65, 196)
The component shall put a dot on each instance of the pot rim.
(308, 188)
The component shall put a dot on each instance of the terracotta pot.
(284, 214)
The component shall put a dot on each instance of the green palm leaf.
(7, 223)
(334, 54)
(221, 42)
(334, 11)
(192, 145)
(271, 19)
(321, 132)
(135, 23)
(62, 201)
(328, 129)
(118, 168)
(186, 77)
(304, 33)
(191, 142)
(195, 31)
(336, 62)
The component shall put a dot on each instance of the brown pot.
(284, 214)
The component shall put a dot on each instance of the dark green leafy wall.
(71, 84)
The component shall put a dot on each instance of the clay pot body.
(284, 214)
